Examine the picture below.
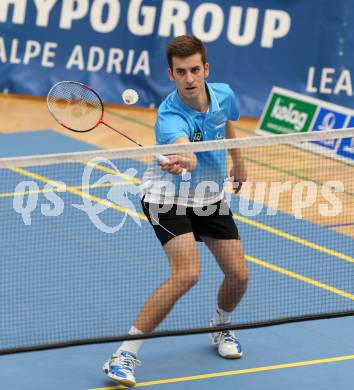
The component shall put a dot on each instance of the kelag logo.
(287, 115)
(290, 112)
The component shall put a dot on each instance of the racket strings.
(75, 106)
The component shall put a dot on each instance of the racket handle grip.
(162, 159)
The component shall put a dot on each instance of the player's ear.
(206, 70)
(170, 74)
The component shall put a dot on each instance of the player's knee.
(187, 279)
(244, 276)
(190, 279)
(239, 275)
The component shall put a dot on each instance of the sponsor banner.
(346, 147)
(329, 119)
(286, 114)
(113, 45)
(289, 112)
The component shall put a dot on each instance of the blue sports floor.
(306, 355)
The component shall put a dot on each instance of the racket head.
(75, 106)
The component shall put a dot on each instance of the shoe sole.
(123, 382)
(236, 356)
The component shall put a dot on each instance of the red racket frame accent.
(100, 121)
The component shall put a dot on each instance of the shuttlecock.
(130, 96)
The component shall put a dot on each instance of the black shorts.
(215, 222)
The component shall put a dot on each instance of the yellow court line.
(113, 171)
(296, 239)
(235, 372)
(82, 194)
(305, 279)
(59, 189)
(248, 221)
(21, 193)
(143, 217)
(129, 179)
(262, 226)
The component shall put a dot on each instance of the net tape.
(226, 144)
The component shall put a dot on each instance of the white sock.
(221, 316)
(131, 346)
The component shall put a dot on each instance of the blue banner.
(305, 46)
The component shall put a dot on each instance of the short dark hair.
(185, 46)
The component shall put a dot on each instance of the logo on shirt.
(220, 119)
(197, 136)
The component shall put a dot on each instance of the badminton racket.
(79, 108)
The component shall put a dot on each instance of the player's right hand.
(176, 165)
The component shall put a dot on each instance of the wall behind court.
(305, 46)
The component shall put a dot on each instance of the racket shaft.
(159, 157)
(122, 134)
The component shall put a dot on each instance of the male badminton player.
(195, 111)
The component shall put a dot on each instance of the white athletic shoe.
(228, 345)
(121, 368)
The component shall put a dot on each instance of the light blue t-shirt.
(176, 119)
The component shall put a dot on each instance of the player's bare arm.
(180, 162)
(238, 169)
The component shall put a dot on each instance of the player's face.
(189, 74)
